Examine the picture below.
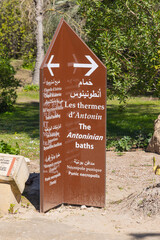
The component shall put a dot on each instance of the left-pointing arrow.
(51, 65)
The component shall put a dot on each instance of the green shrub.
(124, 144)
(31, 87)
(141, 140)
(29, 60)
(8, 85)
(7, 148)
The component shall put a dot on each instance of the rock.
(27, 160)
(154, 145)
(83, 207)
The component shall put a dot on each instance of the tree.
(8, 85)
(39, 39)
(54, 12)
(25, 24)
(124, 34)
(47, 20)
(11, 28)
(17, 38)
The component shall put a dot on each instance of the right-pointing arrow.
(92, 65)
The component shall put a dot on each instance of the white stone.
(19, 171)
(27, 160)
(9, 194)
(83, 207)
(13, 175)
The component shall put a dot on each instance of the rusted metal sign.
(72, 123)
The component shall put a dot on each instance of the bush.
(124, 144)
(8, 85)
(7, 148)
(31, 87)
(142, 140)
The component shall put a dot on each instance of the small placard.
(6, 165)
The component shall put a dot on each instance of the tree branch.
(131, 11)
(65, 15)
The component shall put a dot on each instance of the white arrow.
(93, 65)
(52, 65)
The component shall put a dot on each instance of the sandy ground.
(24, 75)
(128, 214)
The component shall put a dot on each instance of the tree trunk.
(39, 37)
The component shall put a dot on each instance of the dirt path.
(24, 75)
(132, 210)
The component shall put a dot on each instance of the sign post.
(72, 123)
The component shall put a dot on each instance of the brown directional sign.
(72, 123)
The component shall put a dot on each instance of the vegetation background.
(125, 35)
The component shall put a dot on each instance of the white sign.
(6, 165)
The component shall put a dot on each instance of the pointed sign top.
(66, 44)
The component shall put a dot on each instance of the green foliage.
(31, 87)
(54, 12)
(8, 85)
(157, 67)
(29, 59)
(125, 36)
(17, 31)
(142, 140)
(7, 148)
(124, 144)
(11, 28)
(11, 209)
(135, 121)
(18, 26)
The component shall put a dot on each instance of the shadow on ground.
(24, 118)
(143, 236)
(32, 190)
(131, 121)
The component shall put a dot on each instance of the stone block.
(13, 175)
(9, 194)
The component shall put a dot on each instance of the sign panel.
(6, 165)
(72, 123)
